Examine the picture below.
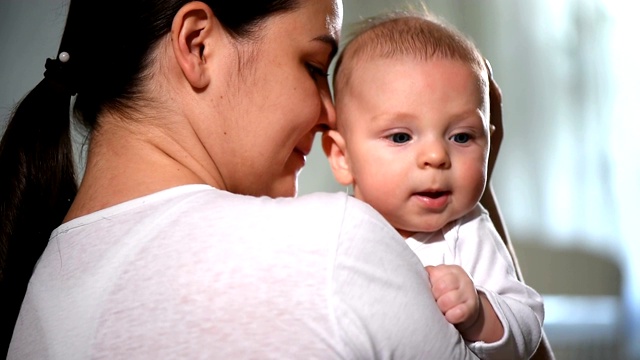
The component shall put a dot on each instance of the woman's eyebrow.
(329, 40)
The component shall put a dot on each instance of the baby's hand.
(455, 294)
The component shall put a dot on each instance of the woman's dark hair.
(109, 44)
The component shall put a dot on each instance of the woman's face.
(277, 100)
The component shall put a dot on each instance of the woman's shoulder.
(317, 207)
(317, 219)
(341, 208)
(203, 211)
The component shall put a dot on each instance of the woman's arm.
(489, 200)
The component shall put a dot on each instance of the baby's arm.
(481, 252)
(462, 305)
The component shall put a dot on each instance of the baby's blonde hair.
(409, 33)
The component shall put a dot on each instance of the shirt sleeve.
(383, 305)
(482, 253)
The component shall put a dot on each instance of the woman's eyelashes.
(317, 72)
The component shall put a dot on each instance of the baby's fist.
(455, 294)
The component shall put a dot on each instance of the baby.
(412, 138)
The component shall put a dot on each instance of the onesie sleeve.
(482, 253)
(382, 300)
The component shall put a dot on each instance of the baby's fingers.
(457, 314)
(457, 307)
(444, 278)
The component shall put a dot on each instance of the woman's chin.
(286, 187)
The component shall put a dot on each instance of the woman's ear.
(334, 148)
(191, 41)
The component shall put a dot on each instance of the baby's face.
(417, 139)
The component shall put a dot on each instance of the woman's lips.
(300, 156)
(304, 149)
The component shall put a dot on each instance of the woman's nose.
(327, 119)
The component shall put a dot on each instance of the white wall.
(29, 34)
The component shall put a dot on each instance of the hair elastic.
(58, 73)
(63, 57)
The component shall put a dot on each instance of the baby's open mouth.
(433, 194)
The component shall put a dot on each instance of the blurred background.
(567, 178)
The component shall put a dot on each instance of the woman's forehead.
(334, 21)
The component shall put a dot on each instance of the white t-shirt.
(473, 243)
(198, 273)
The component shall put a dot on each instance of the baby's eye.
(399, 138)
(461, 138)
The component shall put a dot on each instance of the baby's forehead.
(420, 37)
(388, 73)
(357, 69)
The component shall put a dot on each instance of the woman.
(159, 253)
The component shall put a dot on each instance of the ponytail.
(37, 186)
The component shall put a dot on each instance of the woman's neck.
(124, 163)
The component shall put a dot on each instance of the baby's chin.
(406, 233)
(409, 223)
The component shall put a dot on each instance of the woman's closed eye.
(317, 72)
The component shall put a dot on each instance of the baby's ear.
(334, 148)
